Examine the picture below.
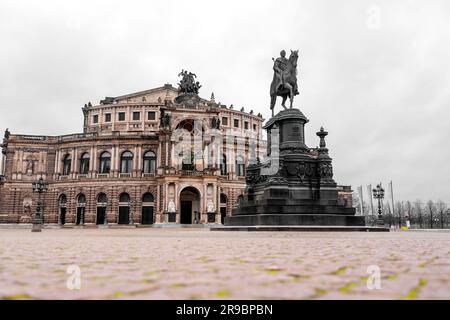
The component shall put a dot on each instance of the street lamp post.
(378, 193)
(39, 186)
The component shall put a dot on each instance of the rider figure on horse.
(284, 83)
(280, 67)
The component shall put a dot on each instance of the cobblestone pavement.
(200, 264)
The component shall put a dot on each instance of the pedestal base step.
(179, 225)
(296, 220)
(301, 228)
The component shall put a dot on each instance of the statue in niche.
(29, 169)
(210, 207)
(171, 207)
(27, 203)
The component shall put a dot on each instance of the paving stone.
(199, 264)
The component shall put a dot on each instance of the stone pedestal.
(296, 186)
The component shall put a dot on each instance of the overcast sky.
(375, 74)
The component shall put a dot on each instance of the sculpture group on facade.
(188, 83)
(284, 83)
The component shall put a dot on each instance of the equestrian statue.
(284, 83)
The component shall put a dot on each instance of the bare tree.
(418, 209)
(441, 208)
(430, 209)
(398, 213)
(387, 213)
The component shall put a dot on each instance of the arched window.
(67, 164)
(124, 197)
(81, 200)
(84, 163)
(102, 199)
(149, 162)
(62, 200)
(240, 168)
(126, 163)
(223, 166)
(148, 197)
(223, 198)
(105, 162)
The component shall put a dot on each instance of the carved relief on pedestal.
(325, 171)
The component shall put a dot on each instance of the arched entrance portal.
(223, 207)
(189, 206)
(147, 208)
(62, 202)
(124, 208)
(102, 203)
(81, 206)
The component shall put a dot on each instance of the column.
(44, 163)
(57, 161)
(139, 161)
(177, 200)
(157, 203)
(206, 157)
(40, 165)
(167, 153)
(218, 213)
(91, 161)
(128, 118)
(73, 164)
(113, 160)
(20, 169)
(203, 203)
(95, 156)
(1, 164)
(117, 160)
(158, 158)
(75, 161)
(166, 202)
(113, 119)
(135, 161)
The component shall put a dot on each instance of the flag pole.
(392, 193)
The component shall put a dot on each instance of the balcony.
(124, 175)
(148, 175)
(194, 173)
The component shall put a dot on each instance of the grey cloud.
(382, 93)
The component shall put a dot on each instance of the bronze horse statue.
(285, 85)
